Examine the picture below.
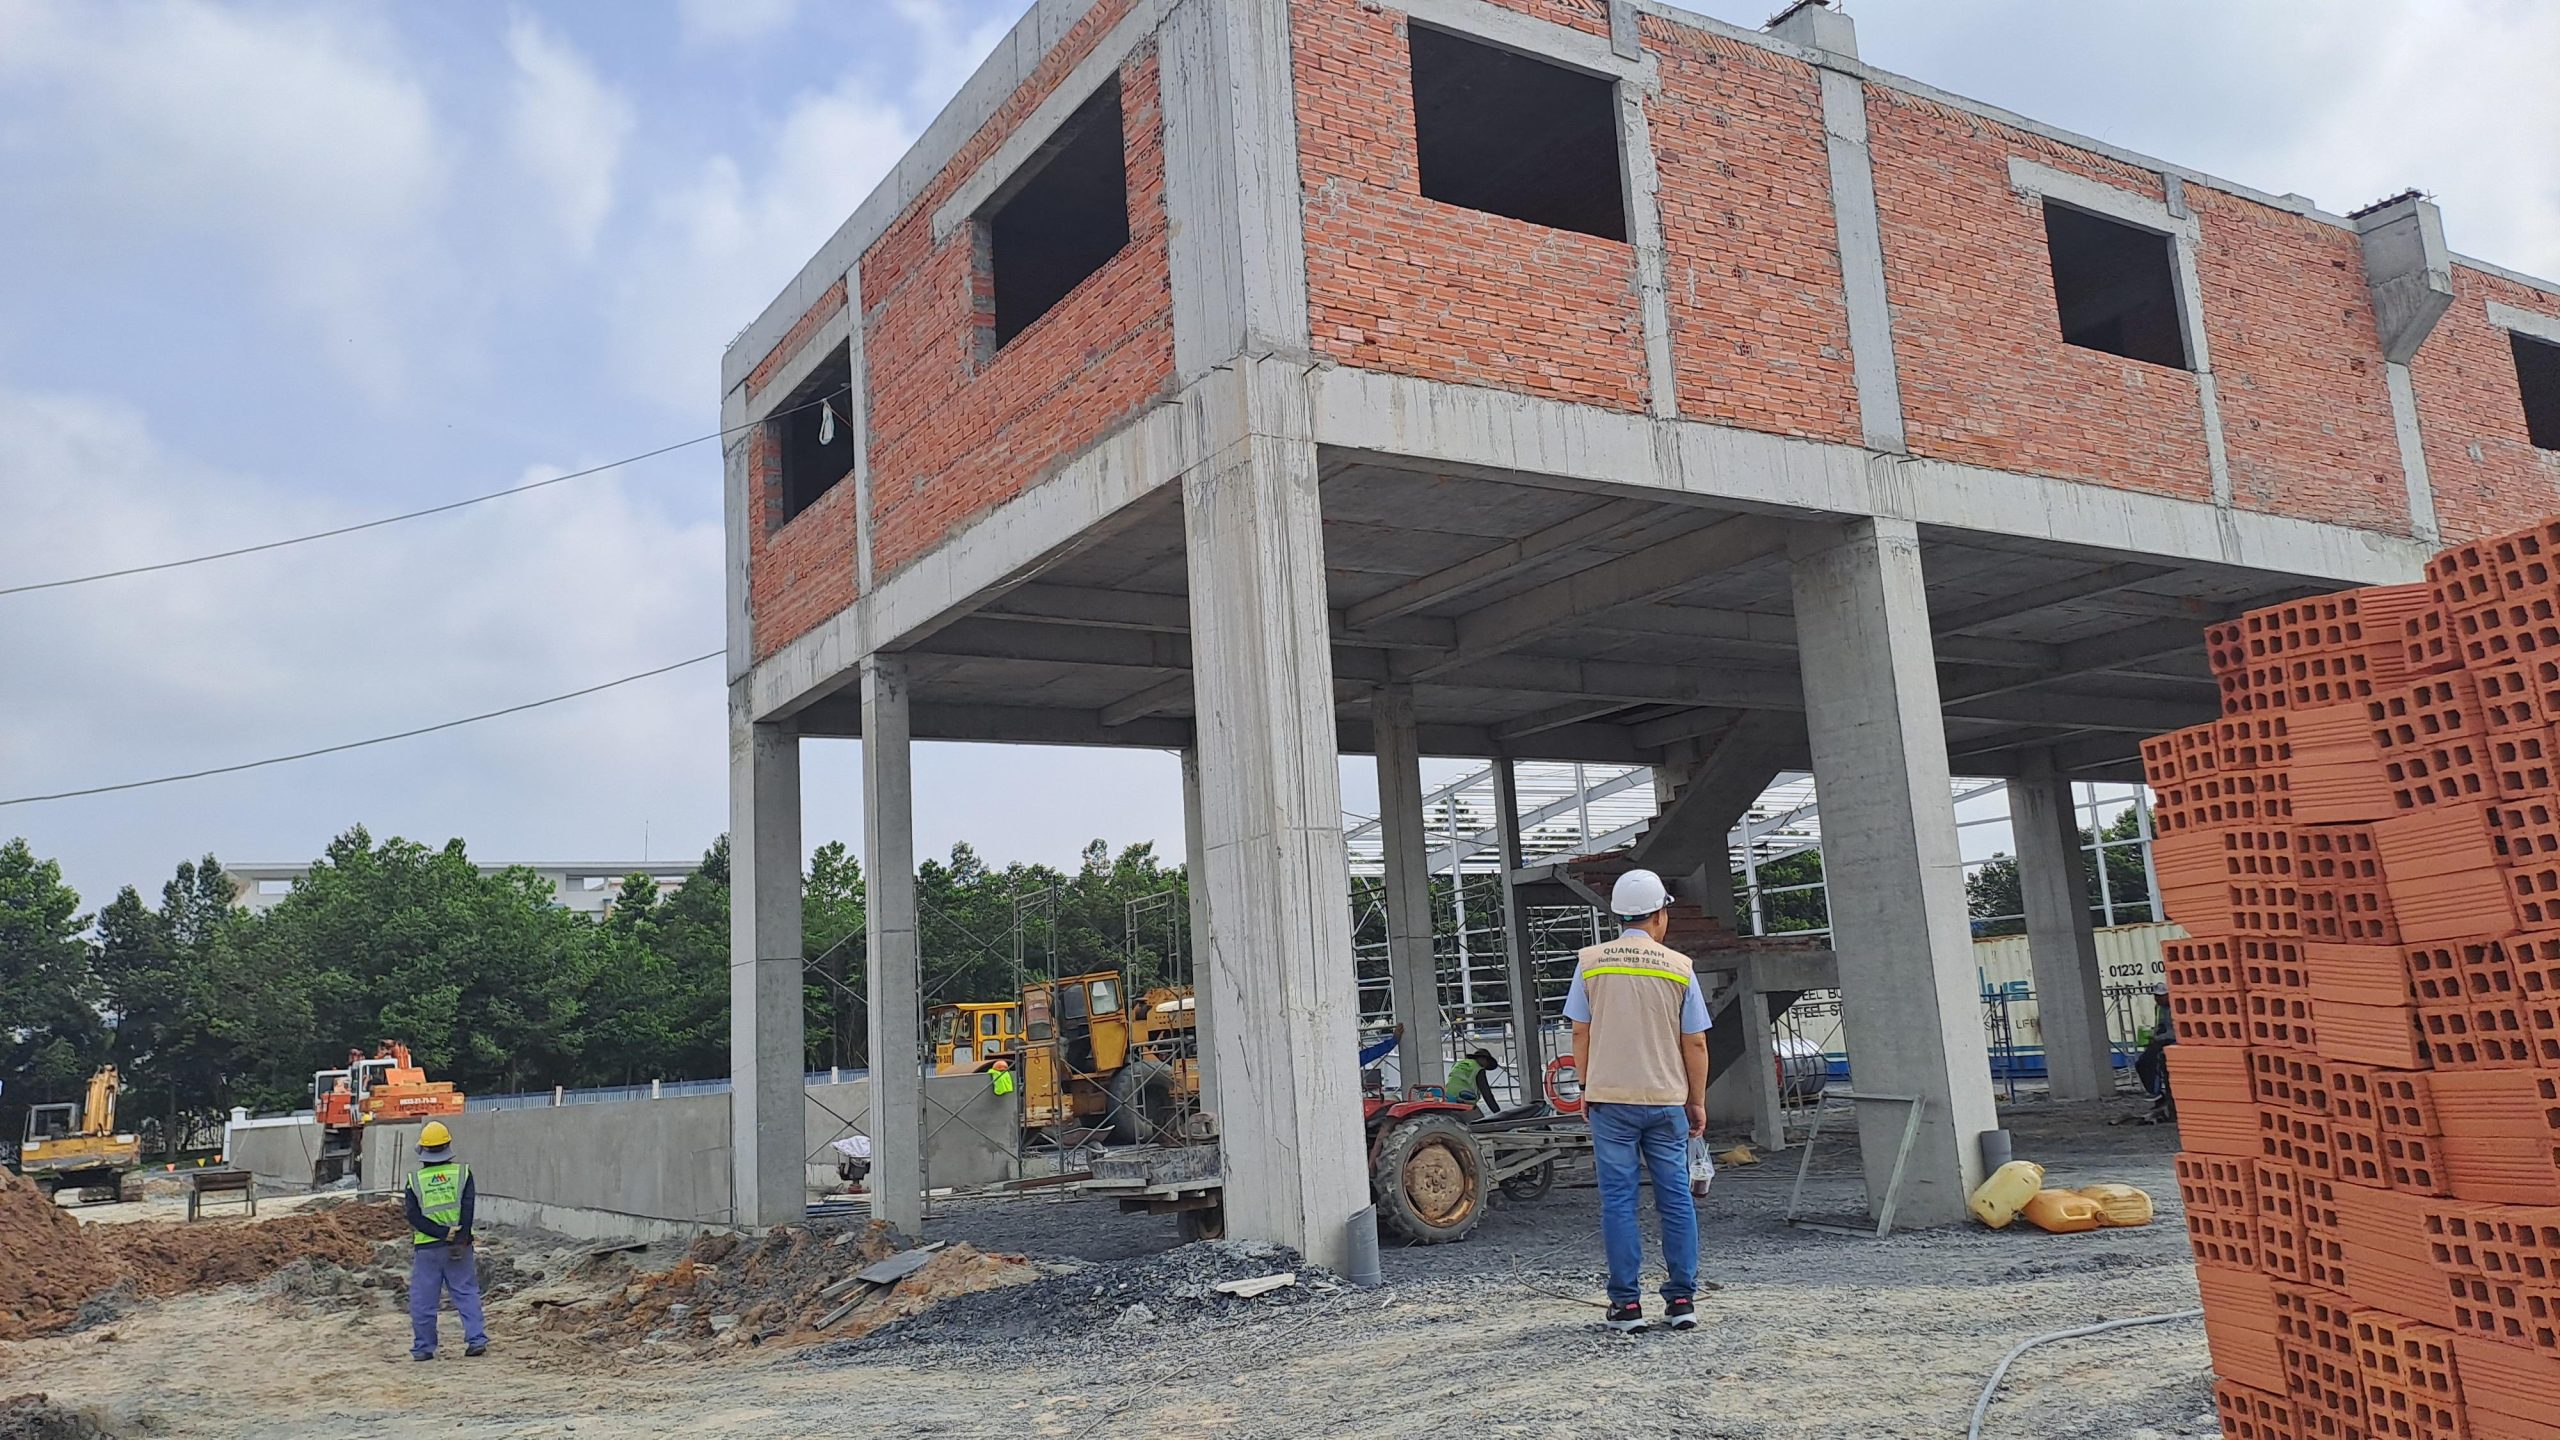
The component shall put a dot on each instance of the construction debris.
(788, 1286)
(1261, 1285)
(170, 1259)
(33, 1417)
(49, 1265)
(1099, 1305)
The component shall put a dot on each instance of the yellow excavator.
(76, 1146)
(1089, 1060)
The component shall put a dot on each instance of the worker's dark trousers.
(434, 1269)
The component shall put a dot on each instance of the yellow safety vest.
(439, 1192)
(1004, 1082)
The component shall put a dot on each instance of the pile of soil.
(1103, 1306)
(170, 1259)
(49, 1264)
(766, 1290)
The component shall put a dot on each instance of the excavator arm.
(98, 1116)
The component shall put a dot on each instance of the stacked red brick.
(2365, 852)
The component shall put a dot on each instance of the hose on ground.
(1991, 1387)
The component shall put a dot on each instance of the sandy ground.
(174, 1207)
(1813, 1335)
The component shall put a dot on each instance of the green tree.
(1997, 902)
(833, 920)
(158, 970)
(1791, 894)
(51, 1034)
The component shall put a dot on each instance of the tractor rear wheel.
(1429, 1181)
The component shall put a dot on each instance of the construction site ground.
(1066, 1318)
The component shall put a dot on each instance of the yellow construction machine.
(1091, 1061)
(969, 1037)
(76, 1146)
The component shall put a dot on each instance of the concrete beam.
(1646, 575)
(1615, 522)
(1413, 975)
(1498, 434)
(765, 1020)
(2095, 582)
(892, 976)
(2062, 944)
(1896, 871)
(2408, 270)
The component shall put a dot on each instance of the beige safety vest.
(1636, 989)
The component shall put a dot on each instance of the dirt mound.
(48, 1263)
(1101, 1306)
(767, 1289)
(170, 1259)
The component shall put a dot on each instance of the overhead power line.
(396, 519)
(359, 744)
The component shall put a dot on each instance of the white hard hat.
(1637, 894)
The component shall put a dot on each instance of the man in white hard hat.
(1640, 1041)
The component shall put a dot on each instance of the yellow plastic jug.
(2061, 1212)
(2119, 1205)
(1995, 1202)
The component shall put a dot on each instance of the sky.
(281, 265)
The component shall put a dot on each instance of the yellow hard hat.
(434, 1136)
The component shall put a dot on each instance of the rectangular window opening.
(2115, 287)
(812, 436)
(2538, 378)
(1501, 132)
(1055, 223)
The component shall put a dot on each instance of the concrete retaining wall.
(278, 1152)
(651, 1168)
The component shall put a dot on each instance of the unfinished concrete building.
(1565, 379)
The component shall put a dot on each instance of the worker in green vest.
(1471, 1079)
(439, 1200)
(1002, 1070)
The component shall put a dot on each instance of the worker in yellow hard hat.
(1002, 1076)
(440, 1200)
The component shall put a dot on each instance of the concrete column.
(2071, 1003)
(1758, 1085)
(1528, 1039)
(1413, 970)
(765, 1038)
(1912, 1008)
(892, 984)
(1278, 962)
(1194, 867)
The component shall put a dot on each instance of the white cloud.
(724, 241)
(291, 135)
(567, 129)
(947, 52)
(730, 22)
(263, 655)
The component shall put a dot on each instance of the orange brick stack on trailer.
(2365, 853)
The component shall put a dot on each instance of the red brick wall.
(952, 435)
(1986, 379)
(2487, 475)
(1759, 333)
(1588, 15)
(2306, 413)
(805, 571)
(1411, 286)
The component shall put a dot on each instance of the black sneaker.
(474, 1352)
(1683, 1313)
(1626, 1319)
(430, 1355)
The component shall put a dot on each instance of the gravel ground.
(1812, 1335)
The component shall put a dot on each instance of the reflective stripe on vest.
(438, 1189)
(1674, 976)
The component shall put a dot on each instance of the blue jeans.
(1657, 1138)
(434, 1269)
